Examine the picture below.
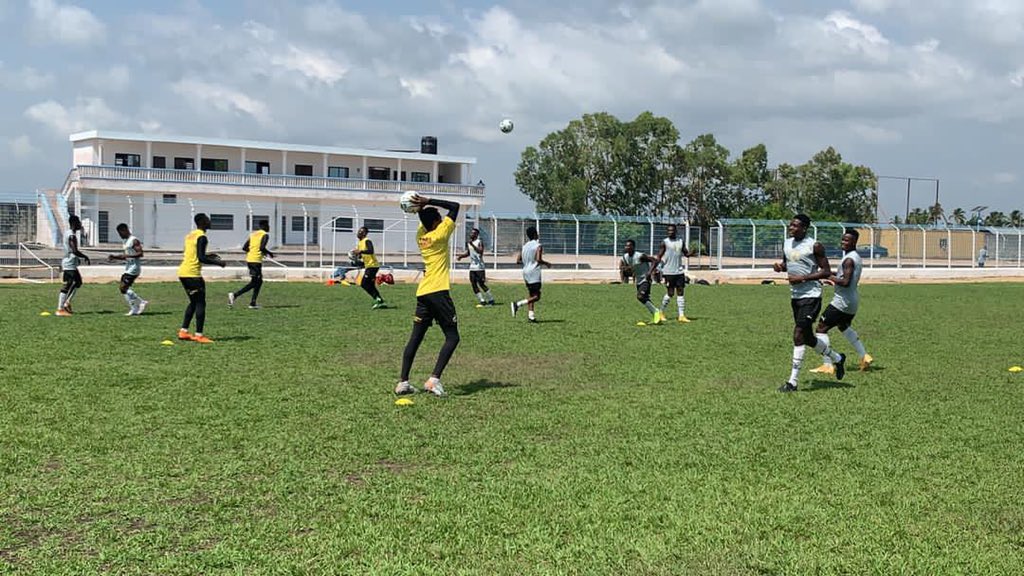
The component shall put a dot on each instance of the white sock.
(480, 297)
(61, 300)
(798, 360)
(650, 306)
(128, 298)
(522, 303)
(70, 295)
(490, 297)
(531, 316)
(681, 305)
(664, 301)
(824, 347)
(854, 339)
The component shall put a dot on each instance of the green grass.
(580, 445)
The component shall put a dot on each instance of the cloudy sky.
(928, 88)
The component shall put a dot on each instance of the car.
(836, 253)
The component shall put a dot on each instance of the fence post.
(577, 241)
(615, 241)
(405, 241)
(996, 230)
(974, 247)
(131, 214)
(949, 248)
(871, 250)
(721, 232)
(305, 232)
(1018, 247)
(686, 261)
(651, 224)
(494, 239)
(924, 246)
(753, 244)
(899, 247)
(334, 240)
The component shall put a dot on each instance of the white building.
(156, 184)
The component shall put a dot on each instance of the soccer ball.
(406, 202)
(506, 125)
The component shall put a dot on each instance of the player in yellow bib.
(433, 301)
(256, 250)
(190, 273)
(364, 250)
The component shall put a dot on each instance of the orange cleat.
(201, 339)
(62, 312)
(184, 335)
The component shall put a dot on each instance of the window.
(298, 224)
(337, 172)
(252, 221)
(342, 224)
(159, 162)
(257, 167)
(213, 165)
(373, 224)
(104, 226)
(303, 169)
(184, 164)
(222, 221)
(379, 173)
(129, 160)
(421, 176)
(170, 198)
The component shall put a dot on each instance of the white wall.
(83, 154)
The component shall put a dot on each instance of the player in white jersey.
(477, 268)
(806, 265)
(845, 303)
(531, 258)
(642, 267)
(131, 255)
(69, 267)
(671, 255)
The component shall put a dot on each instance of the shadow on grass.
(160, 314)
(97, 312)
(480, 386)
(275, 306)
(233, 339)
(555, 321)
(818, 385)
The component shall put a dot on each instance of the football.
(406, 202)
(506, 125)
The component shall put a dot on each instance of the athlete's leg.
(419, 330)
(369, 283)
(200, 307)
(451, 342)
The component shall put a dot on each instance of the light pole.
(909, 180)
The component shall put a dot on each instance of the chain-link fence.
(17, 223)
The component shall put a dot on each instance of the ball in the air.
(506, 125)
(406, 202)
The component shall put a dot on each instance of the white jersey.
(476, 259)
(800, 261)
(847, 298)
(672, 261)
(132, 266)
(70, 261)
(639, 267)
(531, 268)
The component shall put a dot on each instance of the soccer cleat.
(254, 306)
(787, 387)
(657, 319)
(378, 304)
(490, 302)
(345, 282)
(532, 320)
(841, 367)
(684, 320)
(405, 388)
(201, 339)
(231, 299)
(865, 362)
(142, 306)
(63, 312)
(132, 312)
(661, 317)
(67, 308)
(433, 385)
(515, 308)
(824, 369)
(184, 335)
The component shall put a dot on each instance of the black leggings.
(478, 279)
(419, 330)
(369, 282)
(196, 290)
(255, 282)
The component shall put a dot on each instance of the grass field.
(579, 445)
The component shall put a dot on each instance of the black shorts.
(193, 285)
(255, 269)
(836, 317)
(478, 276)
(675, 281)
(72, 276)
(533, 289)
(436, 306)
(643, 290)
(128, 279)
(805, 310)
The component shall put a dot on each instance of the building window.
(421, 176)
(303, 169)
(252, 221)
(342, 224)
(213, 165)
(129, 160)
(159, 162)
(170, 198)
(184, 164)
(298, 224)
(373, 224)
(104, 226)
(257, 167)
(375, 173)
(222, 221)
(337, 172)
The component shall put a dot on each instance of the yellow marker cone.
(1016, 369)
(167, 343)
(44, 313)
(404, 402)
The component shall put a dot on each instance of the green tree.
(709, 186)
(996, 219)
(1016, 218)
(959, 216)
(836, 190)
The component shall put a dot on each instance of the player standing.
(433, 299)
(131, 255)
(671, 255)
(531, 258)
(642, 267)
(256, 250)
(845, 303)
(806, 265)
(190, 273)
(371, 265)
(477, 268)
(69, 266)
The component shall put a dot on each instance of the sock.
(824, 347)
(61, 300)
(854, 339)
(480, 297)
(522, 303)
(531, 316)
(129, 300)
(664, 302)
(490, 297)
(681, 305)
(798, 360)
(650, 306)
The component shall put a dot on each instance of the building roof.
(259, 145)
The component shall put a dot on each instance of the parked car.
(835, 253)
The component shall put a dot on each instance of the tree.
(996, 219)
(959, 216)
(1016, 218)
(833, 189)
(708, 189)
(936, 213)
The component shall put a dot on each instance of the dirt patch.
(52, 465)
(509, 368)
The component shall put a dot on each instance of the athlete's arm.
(661, 252)
(479, 249)
(369, 248)
(779, 266)
(245, 246)
(73, 245)
(824, 270)
(137, 247)
(203, 257)
(462, 255)
(540, 257)
(263, 246)
(451, 207)
(847, 274)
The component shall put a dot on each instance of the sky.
(922, 88)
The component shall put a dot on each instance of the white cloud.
(27, 79)
(313, 65)
(85, 114)
(876, 134)
(65, 23)
(872, 6)
(21, 147)
(223, 98)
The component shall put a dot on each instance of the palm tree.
(959, 216)
(936, 213)
(996, 219)
(1016, 218)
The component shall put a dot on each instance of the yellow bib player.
(256, 250)
(364, 250)
(190, 273)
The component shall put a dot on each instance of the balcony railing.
(270, 180)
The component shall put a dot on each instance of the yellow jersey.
(190, 266)
(369, 260)
(436, 257)
(255, 255)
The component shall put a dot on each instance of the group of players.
(804, 261)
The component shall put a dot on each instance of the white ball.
(406, 202)
(506, 125)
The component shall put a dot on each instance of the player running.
(256, 250)
(642, 266)
(671, 255)
(806, 265)
(364, 250)
(845, 303)
(131, 255)
(477, 268)
(190, 273)
(433, 299)
(531, 258)
(69, 266)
